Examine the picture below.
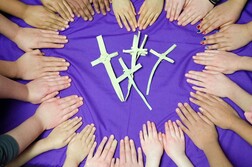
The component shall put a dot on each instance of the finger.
(127, 149)
(96, 6)
(118, 19)
(111, 151)
(101, 146)
(102, 7)
(69, 10)
(129, 16)
(107, 5)
(125, 22)
(122, 152)
(91, 153)
(133, 151)
(49, 96)
(184, 129)
(107, 147)
(73, 107)
(154, 130)
(69, 114)
(140, 156)
(145, 133)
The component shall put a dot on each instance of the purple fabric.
(102, 106)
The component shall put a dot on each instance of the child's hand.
(55, 111)
(215, 109)
(82, 8)
(63, 134)
(45, 88)
(128, 155)
(149, 12)
(38, 16)
(80, 146)
(28, 39)
(34, 64)
(223, 14)
(211, 82)
(198, 127)
(174, 8)
(151, 143)
(125, 13)
(104, 154)
(61, 7)
(174, 144)
(102, 6)
(219, 61)
(248, 116)
(229, 38)
(194, 11)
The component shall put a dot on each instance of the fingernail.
(202, 43)
(206, 47)
(198, 31)
(204, 32)
(198, 26)
(201, 20)
(204, 38)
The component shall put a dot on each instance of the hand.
(194, 11)
(125, 12)
(198, 127)
(42, 89)
(103, 156)
(174, 142)
(34, 64)
(28, 39)
(211, 82)
(229, 38)
(151, 143)
(128, 156)
(174, 8)
(217, 18)
(61, 7)
(53, 112)
(63, 133)
(215, 109)
(102, 6)
(149, 12)
(82, 8)
(219, 61)
(80, 146)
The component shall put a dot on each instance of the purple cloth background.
(102, 106)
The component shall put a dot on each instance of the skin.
(28, 39)
(36, 91)
(149, 13)
(151, 143)
(33, 65)
(48, 115)
(216, 18)
(125, 14)
(217, 84)
(215, 109)
(102, 6)
(230, 37)
(248, 116)
(203, 133)
(36, 16)
(58, 138)
(104, 153)
(80, 146)
(174, 144)
(194, 10)
(174, 9)
(128, 155)
(61, 7)
(82, 8)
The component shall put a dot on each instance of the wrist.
(182, 161)
(25, 11)
(70, 162)
(152, 161)
(39, 120)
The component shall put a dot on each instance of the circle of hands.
(199, 126)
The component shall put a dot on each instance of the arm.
(58, 138)
(244, 63)
(242, 98)
(7, 27)
(203, 133)
(216, 156)
(12, 89)
(13, 7)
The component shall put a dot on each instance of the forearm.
(216, 156)
(152, 162)
(243, 129)
(37, 148)
(70, 162)
(10, 89)
(249, 29)
(183, 161)
(8, 28)
(8, 69)
(244, 63)
(13, 7)
(242, 98)
(27, 132)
